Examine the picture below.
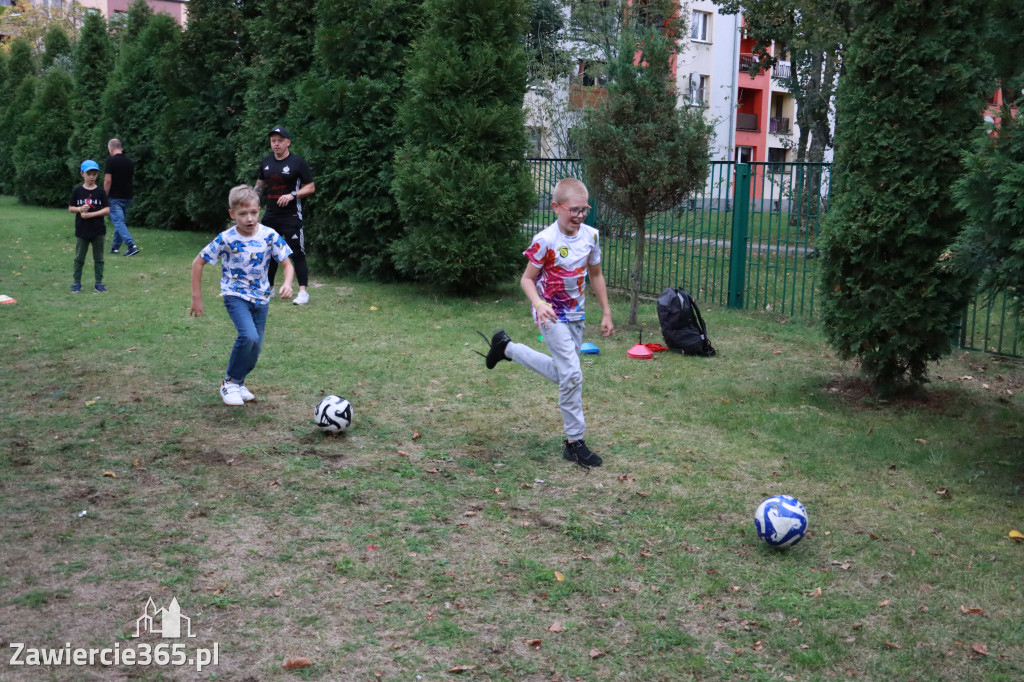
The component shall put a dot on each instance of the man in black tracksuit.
(284, 179)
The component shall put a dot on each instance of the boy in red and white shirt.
(560, 258)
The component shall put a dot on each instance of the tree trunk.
(640, 228)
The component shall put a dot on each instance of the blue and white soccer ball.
(333, 414)
(781, 521)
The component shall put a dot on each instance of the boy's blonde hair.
(569, 187)
(242, 194)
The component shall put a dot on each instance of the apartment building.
(753, 116)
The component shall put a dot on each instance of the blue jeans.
(118, 214)
(249, 318)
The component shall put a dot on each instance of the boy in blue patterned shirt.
(245, 251)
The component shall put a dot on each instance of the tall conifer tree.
(281, 47)
(134, 105)
(41, 171)
(914, 89)
(350, 101)
(20, 82)
(461, 179)
(93, 55)
(205, 81)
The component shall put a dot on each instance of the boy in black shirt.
(89, 204)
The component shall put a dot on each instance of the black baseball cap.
(282, 131)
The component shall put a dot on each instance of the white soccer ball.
(333, 414)
(781, 521)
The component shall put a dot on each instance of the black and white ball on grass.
(333, 414)
(781, 521)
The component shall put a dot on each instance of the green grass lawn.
(443, 537)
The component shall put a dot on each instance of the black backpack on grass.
(681, 324)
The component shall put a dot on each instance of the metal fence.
(746, 240)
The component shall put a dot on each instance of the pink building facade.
(111, 8)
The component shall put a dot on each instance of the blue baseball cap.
(89, 165)
(282, 131)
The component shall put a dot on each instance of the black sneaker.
(114, 251)
(497, 352)
(132, 250)
(577, 451)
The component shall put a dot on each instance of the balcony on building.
(586, 91)
(746, 122)
(779, 126)
(782, 70)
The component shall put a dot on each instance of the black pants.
(292, 232)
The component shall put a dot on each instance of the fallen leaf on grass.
(885, 603)
(532, 642)
(816, 592)
(922, 441)
(595, 653)
(1016, 535)
(980, 648)
(894, 646)
(371, 548)
(433, 471)
(109, 474)
(944, 491)
(964, 609)
(556, 627)
(559, 577)
(461, 668)
(415, 435)
(301, 662)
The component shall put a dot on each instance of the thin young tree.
(907, 105)
(642, 153)
(461, 180)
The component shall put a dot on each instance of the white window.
(699, 89)
(745, 154)
(536, 134)
(700, 26)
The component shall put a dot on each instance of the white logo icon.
(163, 622)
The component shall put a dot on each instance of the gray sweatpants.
(561, 367)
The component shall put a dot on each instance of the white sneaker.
(247, 395)
(231, 395)
(302, 298)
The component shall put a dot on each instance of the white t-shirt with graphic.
(245, 261)
(563, 263)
